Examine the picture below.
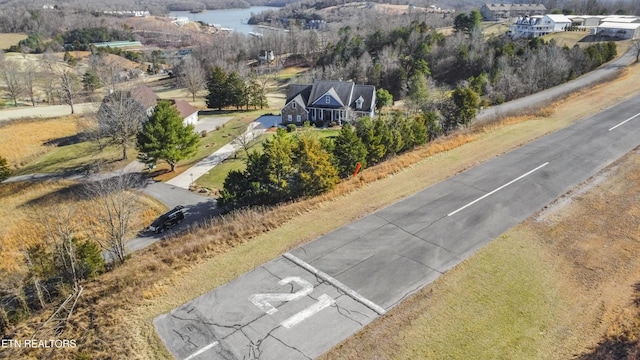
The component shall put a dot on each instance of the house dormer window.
(327, 99)
(359, 103)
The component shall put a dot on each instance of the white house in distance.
(539, 25)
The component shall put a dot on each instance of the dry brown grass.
(23, 141)
(115, 316)
(23, 203)
(8, 39)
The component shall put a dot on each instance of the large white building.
(539, 25)
(619, 30)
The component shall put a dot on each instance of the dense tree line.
(299, 164)
(76, 39)
(396, 59)
(231, 89)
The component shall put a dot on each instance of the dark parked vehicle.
(168, 220)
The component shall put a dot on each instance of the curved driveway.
(301, 304)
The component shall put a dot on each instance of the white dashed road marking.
(498, 189)
(629, 119)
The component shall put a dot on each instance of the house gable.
(341, 91)
(329, 99)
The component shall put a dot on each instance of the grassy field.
(78, 157)
(23, 141)
(8, 39)
(25, 204)
(52, 146)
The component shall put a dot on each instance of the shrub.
(5, 172)
(203, 133)
(291, 128)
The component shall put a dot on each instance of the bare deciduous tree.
(69, 87)
(58, 225)
(191, 75)
(30, 76)
(118, 202)
(11, 77)
(120, 118)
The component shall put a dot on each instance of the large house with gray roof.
(325, 102)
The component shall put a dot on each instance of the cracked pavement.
(323, 292)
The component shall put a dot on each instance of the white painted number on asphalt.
(323, 301)
(263, 301)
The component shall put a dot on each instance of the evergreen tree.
(315, 173)
(90, 81)
(418, 91)
(466, 103)
(255, 95)
(383, 132)
(237, 90)
(89, 257)
(5, 172)
(348, 151)
(383, 98)
(279, 165)
(164, 137)
(371, 140)
(217, 86)
(467, 23)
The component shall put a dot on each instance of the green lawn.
(214, 179)
(328, 132)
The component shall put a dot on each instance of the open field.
(25, 205)
(78, 157)
(23, 141)
(8, 39)
(53, 146)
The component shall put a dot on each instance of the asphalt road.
(534, 101)
(303, 303)
(197, 208)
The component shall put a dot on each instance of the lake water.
(235, 19)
